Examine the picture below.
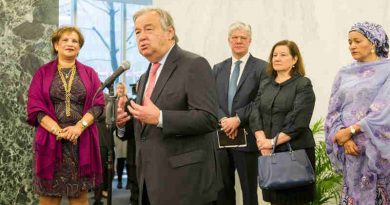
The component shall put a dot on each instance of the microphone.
(122, 68)
(110, 112)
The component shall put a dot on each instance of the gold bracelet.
(58, 136)
(53, 129)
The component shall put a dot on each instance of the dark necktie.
(233, 84)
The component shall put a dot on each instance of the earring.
(372, 50)
(293, 66)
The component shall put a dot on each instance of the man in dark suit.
(106, 143)
(132, 182)
(237, 81)
(175, 118)
(128, 136)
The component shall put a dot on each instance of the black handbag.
(284, 170)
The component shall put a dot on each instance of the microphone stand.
(110, 123)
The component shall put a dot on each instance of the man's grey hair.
(241, 26)
(166, 19)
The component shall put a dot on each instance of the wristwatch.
(352, 130)
(83, 123)
(273, 141)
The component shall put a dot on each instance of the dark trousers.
(145, 198)
(246, 165)
(104, 186)
(120, 165)
(133, 183)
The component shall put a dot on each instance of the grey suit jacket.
(245, 95)
(178, 162)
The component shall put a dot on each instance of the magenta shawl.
(47, 149)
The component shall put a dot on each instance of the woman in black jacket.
(284, 107)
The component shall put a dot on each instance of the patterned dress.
(361, 95)
(66, 179)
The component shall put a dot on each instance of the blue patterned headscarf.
(376, 34)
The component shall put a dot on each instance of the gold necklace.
(67, 86)
(67, 74)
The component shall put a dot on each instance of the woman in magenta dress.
(62, 107)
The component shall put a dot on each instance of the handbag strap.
(276, 142)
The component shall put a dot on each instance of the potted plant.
(328, 182)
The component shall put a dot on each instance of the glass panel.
(100, 22)
(138, 63)
(64, 17)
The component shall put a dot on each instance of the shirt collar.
(162, 61)
(243, 60)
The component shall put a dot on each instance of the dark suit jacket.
(129, 136)
(178, 162)
(247, 88)
(105, 137)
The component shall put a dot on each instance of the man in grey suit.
(237, 80)
(175, 118)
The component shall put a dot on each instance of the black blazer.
(105, 137)
(178, 162)
(129, 136)
(245, 94)
(287, 108)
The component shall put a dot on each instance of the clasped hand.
(343, 138)
(71, 133)
(263, 144)
(351, 148)
(230, 126)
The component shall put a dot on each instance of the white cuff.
(238, 118)
(121, 132)
(160, 120)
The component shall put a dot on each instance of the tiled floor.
(122, 196)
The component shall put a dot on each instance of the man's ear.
(171, 32)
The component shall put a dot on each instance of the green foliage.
(318, 127)
(328, 182)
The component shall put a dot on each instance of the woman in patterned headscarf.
(358, 121)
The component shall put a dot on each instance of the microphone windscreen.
(126, 65)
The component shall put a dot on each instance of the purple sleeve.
(376, 126)
(333, 124)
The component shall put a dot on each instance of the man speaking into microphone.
(175, 118)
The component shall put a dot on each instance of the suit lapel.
(142, 85)
(167, 69)
(245, 73)
(140, 95)
(225, 73)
